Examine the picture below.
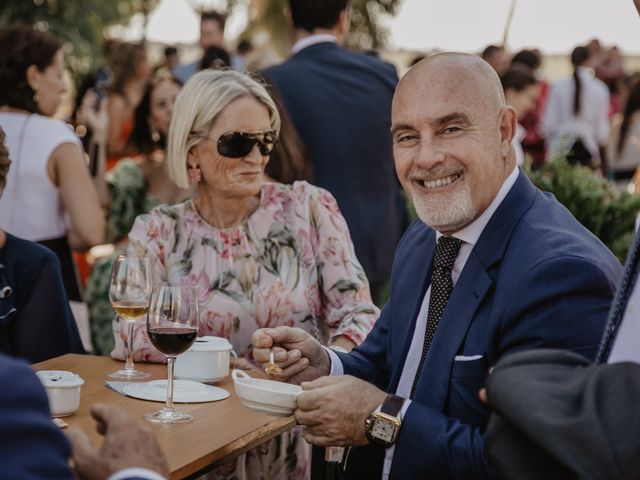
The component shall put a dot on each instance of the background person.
(211, 35)
(134, 186)
(623, 148)
(495, 56)
(521, 91)
(35, 319)
(261, 253)
(533, 142)
(576, 119)
(49, 196)
(130, 70)
(326, 88)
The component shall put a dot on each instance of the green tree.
(79, 22)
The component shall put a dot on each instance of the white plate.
(184, 391)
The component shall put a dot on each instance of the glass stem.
(129, 347)
(169, 405)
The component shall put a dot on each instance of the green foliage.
(596, 203)
(79, 22)
(366, 31)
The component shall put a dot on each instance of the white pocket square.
(467, 358)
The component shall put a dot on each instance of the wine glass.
(172, 325)
(129, 292)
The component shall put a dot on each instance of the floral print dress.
(291, 262)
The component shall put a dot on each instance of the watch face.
(383, 430)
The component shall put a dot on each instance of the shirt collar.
(471, 233)
(586, 71)
(312, 40)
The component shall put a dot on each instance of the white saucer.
(200, 380)
(184, 391)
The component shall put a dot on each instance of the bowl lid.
(59, 378)
(210, 344)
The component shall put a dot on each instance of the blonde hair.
(197, 106)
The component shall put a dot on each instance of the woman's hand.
(96, 119)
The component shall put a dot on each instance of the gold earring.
(36, 98)
(155, 134)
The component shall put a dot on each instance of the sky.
(554, 26)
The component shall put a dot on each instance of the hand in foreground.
(126, 444)
(334, 410)
(300, 356)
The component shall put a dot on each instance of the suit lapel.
(407, 298)
(472, 287)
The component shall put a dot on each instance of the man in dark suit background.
(340, 104)
(33, 447)
(493, 266)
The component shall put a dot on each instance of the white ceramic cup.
(206, 361)
(63, 391)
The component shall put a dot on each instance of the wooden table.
(220, 431)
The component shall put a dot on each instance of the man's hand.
(127, 444)
(334, 410)
(300, 356)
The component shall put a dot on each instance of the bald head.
(469, 73)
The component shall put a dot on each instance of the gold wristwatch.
(383, 425)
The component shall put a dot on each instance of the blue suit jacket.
(340, 104)
(32, 447)
(36, 322)
(535, 278)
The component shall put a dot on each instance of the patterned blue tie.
(441, 288)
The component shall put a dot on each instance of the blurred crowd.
(589, 118)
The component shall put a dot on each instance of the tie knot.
(446, 252)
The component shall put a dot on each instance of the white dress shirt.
(136, 473)
(469, 236)
(516, 143)
(312, 40)
(561, 127)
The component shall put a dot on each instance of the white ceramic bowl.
(63, 391)
(267, 396)
(206, 361)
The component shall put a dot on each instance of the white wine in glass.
(129, 291)
(172, 325)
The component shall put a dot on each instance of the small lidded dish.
(63, 391)
(206, 361)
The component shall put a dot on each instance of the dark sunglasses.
(239, 144)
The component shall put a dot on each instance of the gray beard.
(446, 213)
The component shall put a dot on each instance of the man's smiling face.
(451, 137)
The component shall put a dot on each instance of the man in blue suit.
(493, 266)
(340, 104)
(33, 447)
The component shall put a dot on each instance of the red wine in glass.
(172, 340)
(172, 326)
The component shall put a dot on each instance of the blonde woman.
(262, 254)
